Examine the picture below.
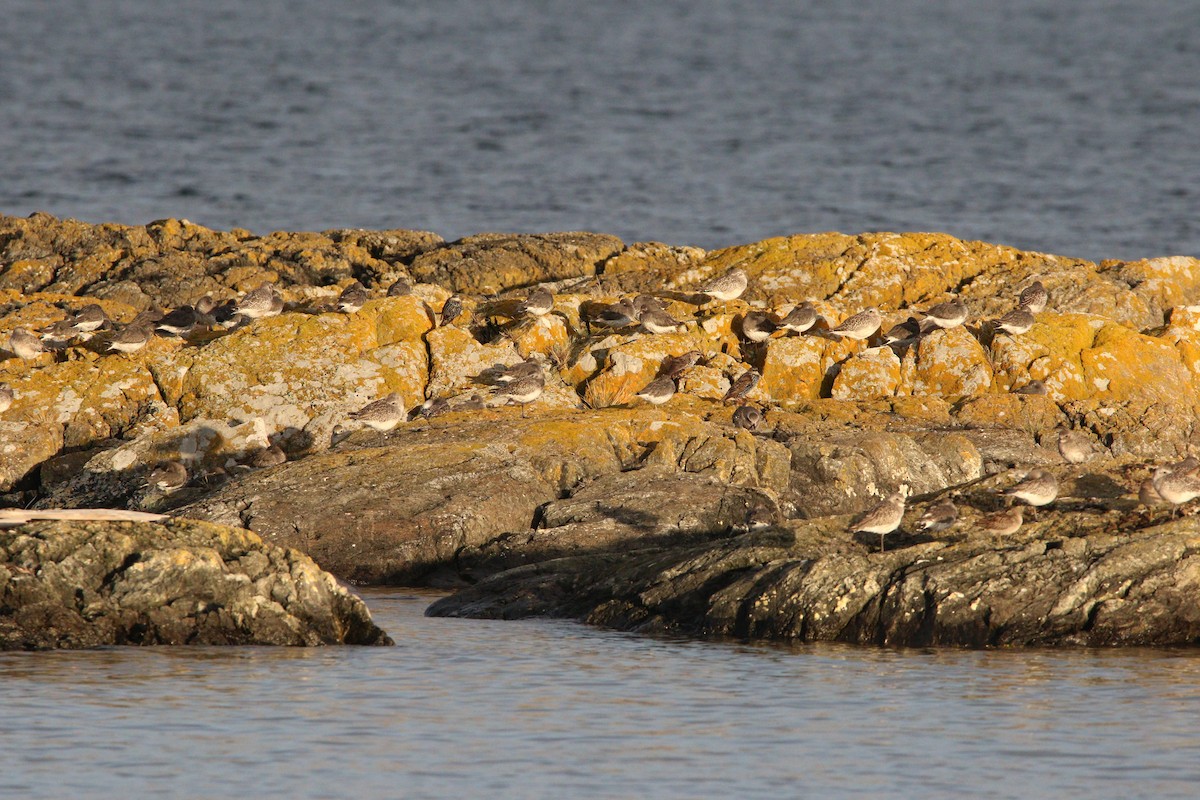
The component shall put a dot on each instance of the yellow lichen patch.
(951, 364)
(1135, 368)
(1163, 282)
(869, 375)
(628, 364)
(1049, 351)
(458, 358)
(797, 367)
(1031, 413)
(398, 319)
(544, 335)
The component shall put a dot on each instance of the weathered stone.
(87, 584)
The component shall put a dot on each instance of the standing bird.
(1034, 298)
(7, 395)
(884, 518)
(729, 286)
(352, 298)
(1003, 523)
(1015, 322)
(383, 414)
(1176, 486)
(1039, 488)
(1074, 446)
(741, 387)
(747, 418)
(1033, 388)
(401, 288)
(800, 318)
(757, 326)
(522, 391)
(25, 344)
(950, 314)
(265, 301)
(938, 517)
(860, 326)
(167, 476)
(89, 318)
(130, 339)
(655, 320)
(675, 366)
(539, 303)
(452, 309)
(658, 391)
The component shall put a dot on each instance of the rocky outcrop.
(87, 584)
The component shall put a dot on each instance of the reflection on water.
(551, 709)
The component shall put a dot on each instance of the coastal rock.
(89, 584)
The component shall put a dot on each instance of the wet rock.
(88, 584)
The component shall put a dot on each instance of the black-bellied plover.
(452, 309)
(167, 476)
(800, 318)
(400, 288)
(522, 391)
(383, 414)
(352, 298)
(1038, 488)
(7, 395)
(1074, 446)
(539, 303)
(860, 326)
(88, 319)
(658, 391)
(725, 287)
(757, 326)
(884, 517)
(747, 418)
(130, 339)
(25, 344)
(675, 366)
(1015, 322)
(938, 517)
(950, 314)
(1002, 523)
(265, 301)
(741, 387)
(265, 457)
(1033, 388)
(1034, 298)
(655, 320)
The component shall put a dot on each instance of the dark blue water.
(542, 709)
(1062, 127)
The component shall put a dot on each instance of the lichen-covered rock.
(87, 584)
(799, 368)
(950, 364)
(868, 375)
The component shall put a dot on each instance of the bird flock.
(523, 383)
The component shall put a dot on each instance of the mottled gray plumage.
(1034, 298)
(658, 391)
(167, 476)
(265, 301)
(747, 417)
(938, 517)
(1002, 523)
(883, 518)
(7, 395)
(1176, 486)
(25, 344)
(1074, 446)
(757, 326)
(1015, 322)
(741, 387)
(950, 314)
(383, 414)
(800, 318)
(522, 391)
(1039, 488)
(352, 298)
(861, 325)
(539, 303)
(728, 286)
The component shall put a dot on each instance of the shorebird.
(860, 326)
(263, 302)
(25, 344)
(433, 407)
(501, 374)
(747, 418)
(1003, 523)
(1039, 488)
(620, 314)
(352, 298)
(1176, 486)
(1148, 495)
(401, 288)
(383, 414)
(938, 517)
(950, 314)
(1032, 388)
(800, 318)
(523, 391)
(675, 366)
(58, 335)
(267, 457)
(757, 326)
(7, 395)
(906, 331)
(452, 309)
(741, 387)
(539, 303)
(645, 302)
(179, 322)
(658, 391)
(1034, 298)
(89, 318)
(1015, 322)
(655, 320)
(884, 517)
(1074, 446)
(729, 286)
(167, 476)
(130, 339)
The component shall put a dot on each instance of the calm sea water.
(1063, 127)
(549, 709)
